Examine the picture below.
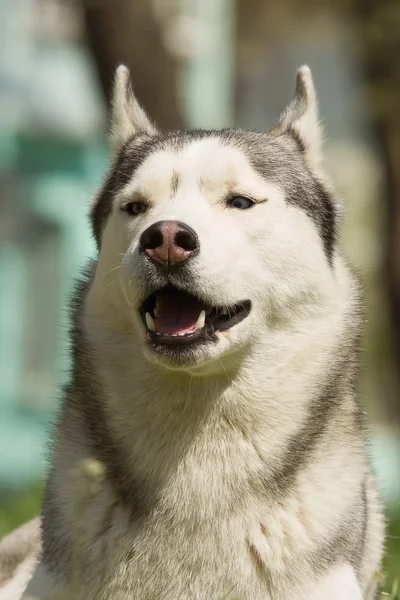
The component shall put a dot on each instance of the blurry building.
(51, 156)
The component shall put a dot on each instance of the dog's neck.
(163, 432)
(157, 413)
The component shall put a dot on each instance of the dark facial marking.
(175, 183)
(129, 159)
(278, 159)
(281, 161)
(319, 205)
(132, 155)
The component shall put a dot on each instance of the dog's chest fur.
(213, 525)
(217, 507)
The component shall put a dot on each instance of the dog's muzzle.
(173, 316)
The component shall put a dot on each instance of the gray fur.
(175, 182)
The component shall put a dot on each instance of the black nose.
(169, 243)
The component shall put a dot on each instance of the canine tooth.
(224, 311)
(150, 322)
(201, 320)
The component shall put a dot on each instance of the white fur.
(302, 117)
(339, 584)
(129, 119)
(14, 588)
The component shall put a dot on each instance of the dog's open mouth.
(172, 316)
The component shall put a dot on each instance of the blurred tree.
(378, 24)
(126, 31)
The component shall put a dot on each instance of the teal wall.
(45, 242)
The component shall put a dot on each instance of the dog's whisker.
(104, 275)
(224, 370)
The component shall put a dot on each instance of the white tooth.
(201, 320)
(224, 311)
(150, 322)
(157, 307)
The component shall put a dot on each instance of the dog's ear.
(128, 119)
(300, 118)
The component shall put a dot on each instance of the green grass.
(394, 593)
(391, 566)
(18, 506)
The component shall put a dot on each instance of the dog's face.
(210, 241)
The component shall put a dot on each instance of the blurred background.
(194, 63)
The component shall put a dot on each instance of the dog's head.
(209, 241)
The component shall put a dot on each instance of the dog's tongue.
(176, 313)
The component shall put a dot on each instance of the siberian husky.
(215, 349)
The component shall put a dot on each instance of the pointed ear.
(300, 119)
(128, 118)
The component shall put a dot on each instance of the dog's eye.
(240, 202)
(135, 208)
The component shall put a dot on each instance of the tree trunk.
(126, 31)
(379, 26)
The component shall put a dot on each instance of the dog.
(215, 348)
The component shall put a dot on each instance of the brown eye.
(135, 208)
(240, 202)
